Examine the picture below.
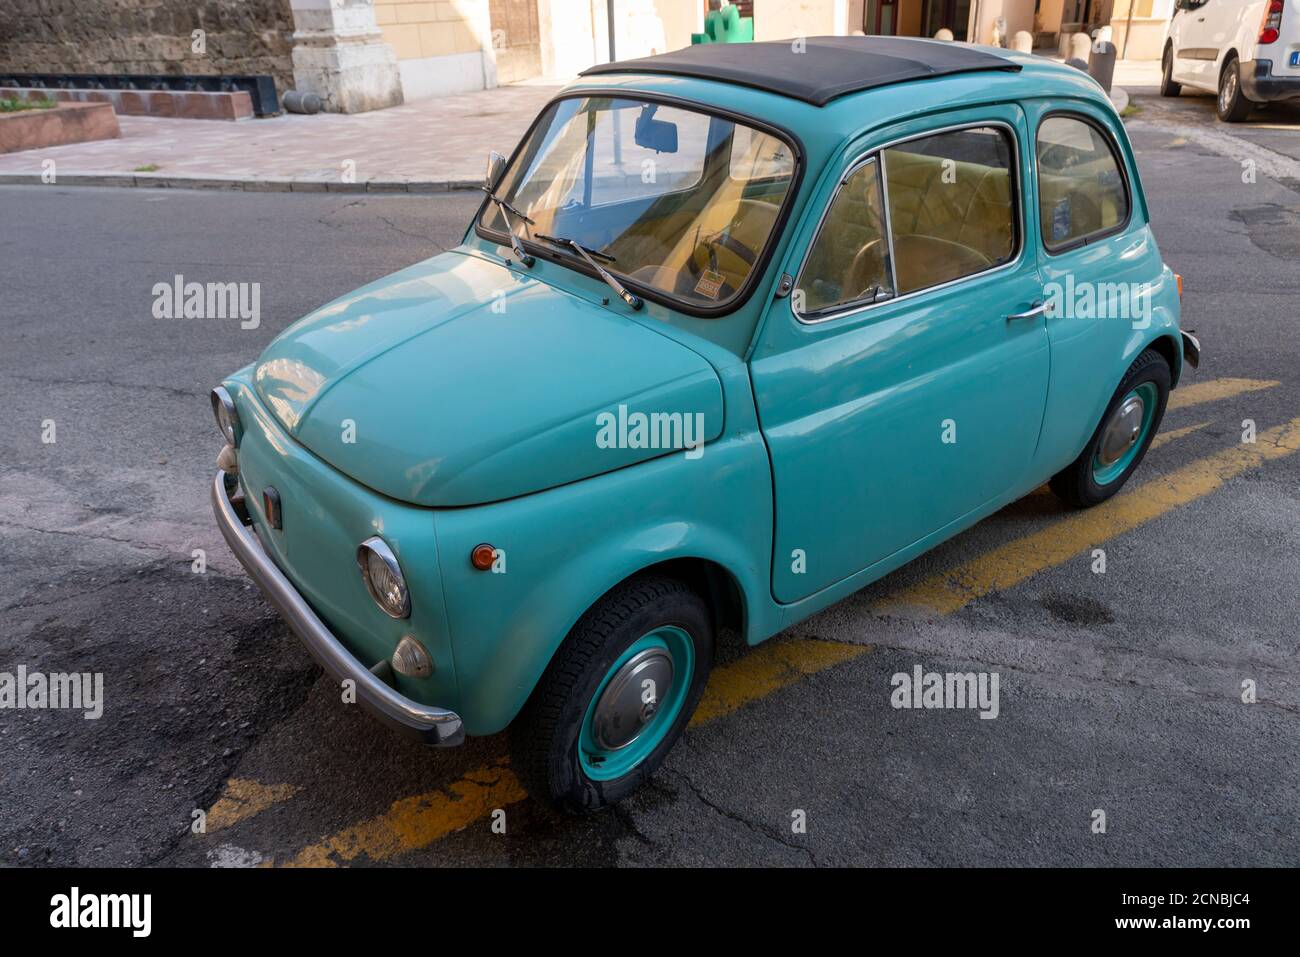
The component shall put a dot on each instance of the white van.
(1246, 51)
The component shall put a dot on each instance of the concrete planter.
(180, 104)
(57, 126)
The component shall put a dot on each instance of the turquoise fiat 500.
(736, 331)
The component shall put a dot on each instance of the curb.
(1119, 97)
(268, 184)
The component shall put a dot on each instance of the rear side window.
(1081, 192)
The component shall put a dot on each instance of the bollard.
(296, 102)
(1078, 64)
(1101, 63)
(1063, 46)
(1023, 42)
(1104, 33)
(1080, 44)
(944, 34)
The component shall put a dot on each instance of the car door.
(901, 383)
(1194, 54)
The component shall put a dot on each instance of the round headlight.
(383, 577)
(223, 408)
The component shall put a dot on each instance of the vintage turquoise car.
(737, 331)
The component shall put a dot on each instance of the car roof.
(817, 70)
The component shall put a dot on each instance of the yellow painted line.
(1214, 390)
(766, 669)
(1024, 557)
(418, 821)
(1164, 438)
(242, 798)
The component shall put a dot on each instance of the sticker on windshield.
(710, 284)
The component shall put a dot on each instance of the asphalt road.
(1119, 692)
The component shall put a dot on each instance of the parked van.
(1246, 51)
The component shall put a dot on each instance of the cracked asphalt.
(1119, 692)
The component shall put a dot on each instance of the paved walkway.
(431, 144)
(435, 144)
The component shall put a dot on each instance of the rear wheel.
(1122, 438)
(1233, 107)
(1167, 85)
(617, 695)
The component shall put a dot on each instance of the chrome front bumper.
(434, 726)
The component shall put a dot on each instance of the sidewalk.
(425, 146)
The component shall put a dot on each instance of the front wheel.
(1123, 437)
(616, 696)
(1233, 107)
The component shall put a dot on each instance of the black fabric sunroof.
(826, 67)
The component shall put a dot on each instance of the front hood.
(459, 382)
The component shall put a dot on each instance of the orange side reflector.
(1180, 286)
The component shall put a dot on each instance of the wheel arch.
(1169, 347)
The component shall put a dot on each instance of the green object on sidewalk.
(725, 26)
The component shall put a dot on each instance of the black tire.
(1075, 484)
(1167, 85)
(1231, 103)
(544, 738)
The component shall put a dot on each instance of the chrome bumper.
(1191, 350)
(434, 726)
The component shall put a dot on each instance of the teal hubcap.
(636, 703)
(1125, 433)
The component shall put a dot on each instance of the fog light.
(383, 577)
(411, 659)
(223, 409)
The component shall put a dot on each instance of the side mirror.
(496, 165)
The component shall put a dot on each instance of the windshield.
(680, 201)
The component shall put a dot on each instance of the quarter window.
(849, 260)
(1081, 191)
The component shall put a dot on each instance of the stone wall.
(148, 36)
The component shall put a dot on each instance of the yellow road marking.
(418, 821)
(242, 798)
(1164, 438)
(768, 668)
(1023, 557)
(1214, 390)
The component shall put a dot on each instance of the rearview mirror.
(652, 134)
(496, 165)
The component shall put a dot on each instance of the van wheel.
(1233, 107)
(616, 696)
(1167, 85)
(1122, 438)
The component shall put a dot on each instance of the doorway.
(516, 39)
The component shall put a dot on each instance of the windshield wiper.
(591, 255)
(506, 212)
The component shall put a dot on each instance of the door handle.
(1036, 308)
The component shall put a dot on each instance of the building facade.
(367, 54)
